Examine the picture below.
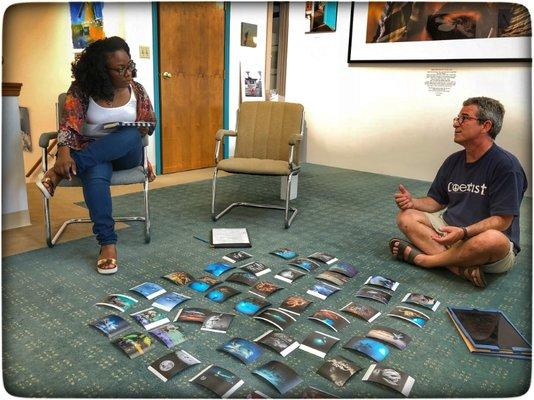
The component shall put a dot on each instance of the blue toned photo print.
(322, 290)
(111, 325)
(409, 314)
(344, 268)
(372, 348)
(149, 290)
(305, 264)
(217, 268)
(285, 253)
(251, 305)
(199, 286)
(222, 293)
(278, 374)
(243, 349)
(202, 284)
(170, 300)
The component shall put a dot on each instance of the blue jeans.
(121, 149)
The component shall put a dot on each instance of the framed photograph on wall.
(249, 33)
(251, 83)
(87, 23)
(321, 16)
(434, 31)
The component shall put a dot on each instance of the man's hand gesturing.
(403, 198)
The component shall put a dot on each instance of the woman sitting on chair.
(103, 91)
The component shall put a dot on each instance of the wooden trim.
(268, 50)
(11, 89)
(282, 48)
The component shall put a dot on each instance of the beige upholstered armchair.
(268, 137)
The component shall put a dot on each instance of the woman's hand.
(65, 165)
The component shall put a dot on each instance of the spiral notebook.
(138, 124)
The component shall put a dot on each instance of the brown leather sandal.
(45, 185)
(150, 172)
(401, 247)
(107, 266)
(475, 275)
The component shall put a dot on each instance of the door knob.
(166, 75)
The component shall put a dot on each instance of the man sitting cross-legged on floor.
(481, 188)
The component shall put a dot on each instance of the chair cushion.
(254, 166)
(123, 177)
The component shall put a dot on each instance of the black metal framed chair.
(124, 177)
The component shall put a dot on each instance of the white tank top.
(98, 115)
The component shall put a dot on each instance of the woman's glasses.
(122, 70)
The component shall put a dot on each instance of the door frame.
(157, 94)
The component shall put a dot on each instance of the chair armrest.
(45, 138)
(221, 133)
(294, 139)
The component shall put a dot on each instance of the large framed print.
(435, 31)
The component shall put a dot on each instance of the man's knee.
(406, 218)
(492, 241)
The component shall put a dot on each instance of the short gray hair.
(488, 110)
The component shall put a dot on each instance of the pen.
(202, 240)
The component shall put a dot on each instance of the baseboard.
(15, 219)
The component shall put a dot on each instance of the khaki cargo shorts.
(498, 267)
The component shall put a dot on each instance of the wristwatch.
(465, 233)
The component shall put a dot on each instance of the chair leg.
(213, 189)
(289, 212)
(48, 225)
(286, 211)
(147, 211)
(289, 218)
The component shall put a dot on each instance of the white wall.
(133, 22)
(381, 117)
(252, 13)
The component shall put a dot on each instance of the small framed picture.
(249, 34)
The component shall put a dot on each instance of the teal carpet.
(48, 295)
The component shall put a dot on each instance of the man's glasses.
(122, 70)
(461, 118)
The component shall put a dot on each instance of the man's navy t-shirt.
(492, 185)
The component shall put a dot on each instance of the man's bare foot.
(107, 260)
(475, 275)
(48, 182)
(405, 251)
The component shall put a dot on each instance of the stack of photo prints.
(151, 314)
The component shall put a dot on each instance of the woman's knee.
(130, 136)
(98, 172)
